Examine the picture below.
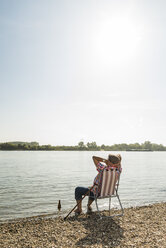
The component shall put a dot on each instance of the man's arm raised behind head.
(96, 160)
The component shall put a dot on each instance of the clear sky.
(83, 70)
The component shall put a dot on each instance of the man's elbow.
(94, 158)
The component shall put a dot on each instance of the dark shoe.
(89, 209)
(77, 212)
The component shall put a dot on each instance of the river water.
(32, 182)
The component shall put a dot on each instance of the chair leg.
(122, 210)
(97, 207)
(120, 207)
(109, 206)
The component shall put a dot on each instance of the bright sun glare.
(117, 39)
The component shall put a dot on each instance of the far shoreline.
(79, 151)
(147, 146)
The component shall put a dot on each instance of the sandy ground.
(139, 227)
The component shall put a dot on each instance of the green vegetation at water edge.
(90, 146)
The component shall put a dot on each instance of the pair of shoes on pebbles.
(78, 212)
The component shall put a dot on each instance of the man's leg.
(90, 200)
(79, 192)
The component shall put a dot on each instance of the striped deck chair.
(109, 188)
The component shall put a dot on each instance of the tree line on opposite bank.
(90, 146)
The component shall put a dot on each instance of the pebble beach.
(139, 227)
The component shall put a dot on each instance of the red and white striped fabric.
(109, 180)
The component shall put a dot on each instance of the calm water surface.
(31, 183)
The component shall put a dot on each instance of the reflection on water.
(32, 183)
